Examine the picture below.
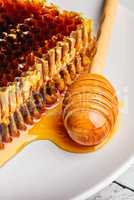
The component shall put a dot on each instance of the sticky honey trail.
(51, 128)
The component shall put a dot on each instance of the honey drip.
(50, 127)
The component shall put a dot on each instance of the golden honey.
(50, 127)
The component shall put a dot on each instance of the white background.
(129, 4)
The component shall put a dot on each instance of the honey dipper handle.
(103, 37)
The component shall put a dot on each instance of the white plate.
(43, 171)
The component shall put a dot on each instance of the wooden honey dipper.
(90, 106)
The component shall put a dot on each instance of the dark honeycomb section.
(42, 52)
(28, 29)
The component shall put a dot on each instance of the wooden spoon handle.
(104, 33)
